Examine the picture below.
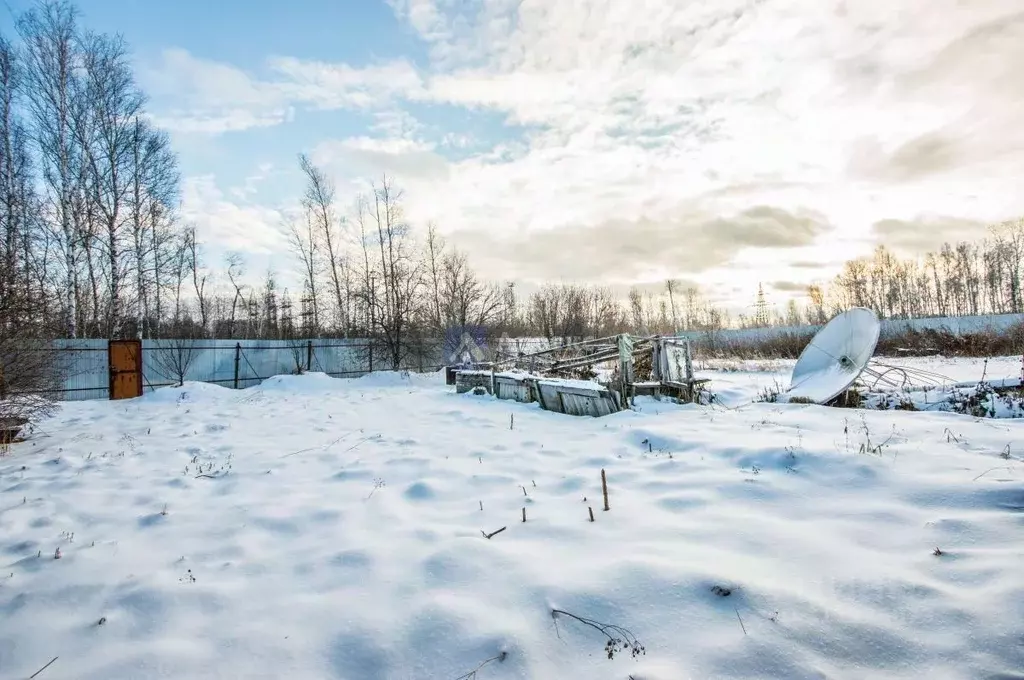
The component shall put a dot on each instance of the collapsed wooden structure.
(594, 377)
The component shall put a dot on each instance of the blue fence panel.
(87, 373)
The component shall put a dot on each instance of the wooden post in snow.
(604, 489)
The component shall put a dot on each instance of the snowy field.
(737, 382)
(321, 528)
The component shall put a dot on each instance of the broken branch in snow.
(1001, 467)
(472, 674)
(524, 514)
(377, 484)
(591, 511)
(741, 621)
(493, 533)
(619, 638)
(42, 669)
(361, 442)
(314, 448)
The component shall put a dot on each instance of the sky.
(722, 142)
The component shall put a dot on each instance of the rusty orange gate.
(125, 359)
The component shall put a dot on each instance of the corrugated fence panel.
(86, 369)
(210, 361)
(346, 358)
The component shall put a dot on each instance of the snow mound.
(315, 382)
(307, 383)
(191, 392)
(400, 379)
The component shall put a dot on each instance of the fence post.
(238, 356)
(371, 358)
(309, 356)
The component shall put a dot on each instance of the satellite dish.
(836, 356)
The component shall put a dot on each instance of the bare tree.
(154, 184)
(434, 263)
(1008, 238)
(400, 272)
(17, 199)
(544, 311)
(464, 299)
(105, 129)
(30, 369)
(49, 34)
(319, 204)
(306, 244)
(181, 256)
(174, 357)
(672, 288)
(236, 270)
(199, 278)
(636, 310)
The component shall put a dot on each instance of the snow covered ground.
(736, 382)
(321, 528)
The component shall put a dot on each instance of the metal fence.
(231, 363)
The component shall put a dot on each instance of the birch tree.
(51, 60)
(319, 204)
(106, 131)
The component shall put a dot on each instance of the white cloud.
(644, 113)
(251, 186)
(367, 157)
(396, 123)
(240, 225)
(863, 111)
(198, 95)
(340, 86)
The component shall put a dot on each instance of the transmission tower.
(761, 316)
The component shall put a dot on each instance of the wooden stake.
(524, 514)
(604, 489)
(591, 511)
(481, 506)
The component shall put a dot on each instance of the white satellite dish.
(836, 356)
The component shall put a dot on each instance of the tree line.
(963, 279)
(366, 272)
(967, 278)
